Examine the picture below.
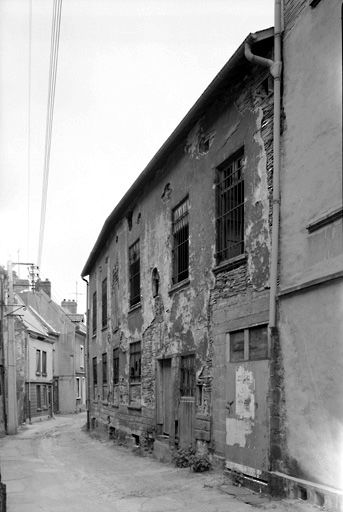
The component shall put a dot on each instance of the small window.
(115, 296)
(95, 371)
(104, 368)
(82, 356)
(38, 362)
(45, 397)
(44, 372)
(230, 209)
(94, 316)
(249, 344)
(39, 400)
(135, 362)
(180, 229)
(104, 303)
(187, 387)
(115, 366)
(78, 388)
(134, 274)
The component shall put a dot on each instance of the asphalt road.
(56, 465)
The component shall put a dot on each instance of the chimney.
(71, 305)
(45, 286)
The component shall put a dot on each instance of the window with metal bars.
(104, 368)
(115, 366)
(104, 302)
(134, 274)
(180, 231)
(95, 371)
(230, 209)
(187, 384)
(135, 362)
(94, 322)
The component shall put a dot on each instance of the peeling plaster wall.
(179, 320)
(308, 371)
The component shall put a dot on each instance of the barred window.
(94, 322)
(181, 242)
(135, 362)
(230, 209)
(95, 372)
(187, 375)
(115, 366)
(104, 368)
(104, 302)
(134, 274)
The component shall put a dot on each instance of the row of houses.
(215, 285)
(47, 343)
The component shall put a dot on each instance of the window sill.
(135, 407)
(135, 383)
(179, 286)
(38, 374)
(104, 402)
(231, 264)
(39, 409)
(323, 221)
(44, 374)
(94, 336)
(115, 406)
(133, 308)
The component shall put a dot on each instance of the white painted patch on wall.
(237, 431)
(245, 393)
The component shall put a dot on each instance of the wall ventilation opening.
(155, 282)
(320, 501)
(302, 493)
(135, 440)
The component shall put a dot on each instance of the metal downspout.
(275, 70)
(87, 359)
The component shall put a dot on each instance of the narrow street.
(56, 465)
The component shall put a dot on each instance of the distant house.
(69, 371)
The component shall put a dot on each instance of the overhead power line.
(55, 37)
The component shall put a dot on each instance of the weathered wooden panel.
(186, 422)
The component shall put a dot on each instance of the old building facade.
(179, 277)
(308, 367)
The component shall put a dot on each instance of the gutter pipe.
(87, 359)
(275, 70)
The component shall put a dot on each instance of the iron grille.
(181, 242)
(230, 210)
(135, 362)
(95, 372)
(135, 278)
(188, 375)
(115, 366)
(104, 368)
(104, 302)
(94, 312)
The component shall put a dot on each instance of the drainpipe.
(275, 70)
(87, 359)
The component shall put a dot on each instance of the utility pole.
(12, 421)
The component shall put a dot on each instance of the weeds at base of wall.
(188, 458)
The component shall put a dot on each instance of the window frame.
(104, 300)
(94, 313)
(38, 362)
(134, 274)
(180, 234)
(230, 205)
(135, 377)
(82, 356)
(115, 366)
(78, 389)
(44, 363)
(247, 344)
(38, 397)
(187, 375)
(95, 371)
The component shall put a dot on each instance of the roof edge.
(192, 114)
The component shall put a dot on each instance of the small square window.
(248, 344)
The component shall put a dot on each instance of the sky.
(128, 72)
